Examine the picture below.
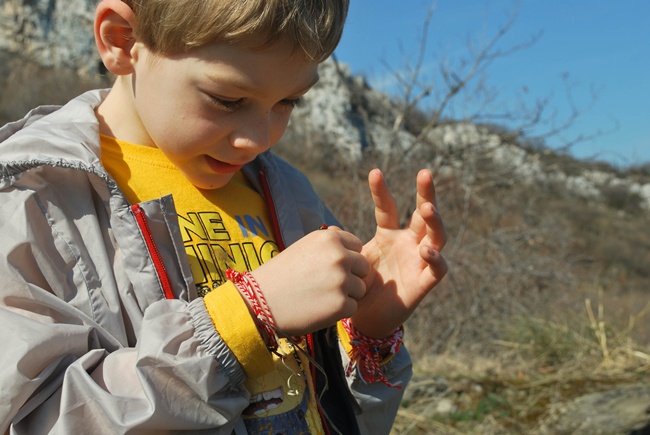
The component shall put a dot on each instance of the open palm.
(405, 263)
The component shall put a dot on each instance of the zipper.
(153, 250)
(272, 210)
(312, 353)
(278, 237)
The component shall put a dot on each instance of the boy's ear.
(115, 35)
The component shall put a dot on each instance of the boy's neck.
(117, 115)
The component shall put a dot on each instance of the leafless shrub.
(620, 197)
(640, 172)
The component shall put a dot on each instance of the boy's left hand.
(405, 262)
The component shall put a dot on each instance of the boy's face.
(212, 110)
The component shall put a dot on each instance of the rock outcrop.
(621, 411)
(51, 33)
(343, 111)
(529, 168)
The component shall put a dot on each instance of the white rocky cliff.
(51, 33)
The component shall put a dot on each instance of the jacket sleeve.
(67, 367)
(60, 374)
(379, 403)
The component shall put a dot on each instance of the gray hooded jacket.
(90, 344)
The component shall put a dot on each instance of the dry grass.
(523, 390)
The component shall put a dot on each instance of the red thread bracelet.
(246, 284)
(364, 356)
(251, 290)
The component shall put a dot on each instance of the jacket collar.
(65, 136)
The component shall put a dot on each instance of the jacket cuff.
(214, 344)
(233, 321)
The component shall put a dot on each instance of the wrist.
(368, 354)
(235, 325)
(260, 327)
(252, 295)
(258, 307)
(372, 328)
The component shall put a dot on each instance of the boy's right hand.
(315, 282)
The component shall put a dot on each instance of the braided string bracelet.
(247, 285)
(365, 353)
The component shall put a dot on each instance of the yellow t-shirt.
(226, 228)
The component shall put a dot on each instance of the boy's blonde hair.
(175, 26)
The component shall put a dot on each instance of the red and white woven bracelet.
(251, 290)
(365, 357)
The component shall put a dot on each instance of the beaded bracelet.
(365, 353)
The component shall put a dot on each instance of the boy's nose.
(253, 135)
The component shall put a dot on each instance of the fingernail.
(431, 251)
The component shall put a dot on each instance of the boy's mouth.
(222, 167)
(263, 402)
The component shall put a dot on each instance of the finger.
(348, 240)
(349, 308)
(356, 288)
(427, 222)
(434, 226)
(426, 189)
(335, 228)
(437, 269)
(359, 265)
(385, 206)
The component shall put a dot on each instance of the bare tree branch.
(414, 76)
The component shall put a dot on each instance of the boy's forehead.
(247, 69)
(243, 83)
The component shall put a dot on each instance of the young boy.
(102, 271)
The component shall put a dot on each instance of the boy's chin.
(214, 181)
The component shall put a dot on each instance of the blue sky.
(601, 44)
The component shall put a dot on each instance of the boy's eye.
(296, 102)
(233, 105)
(227, 105)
